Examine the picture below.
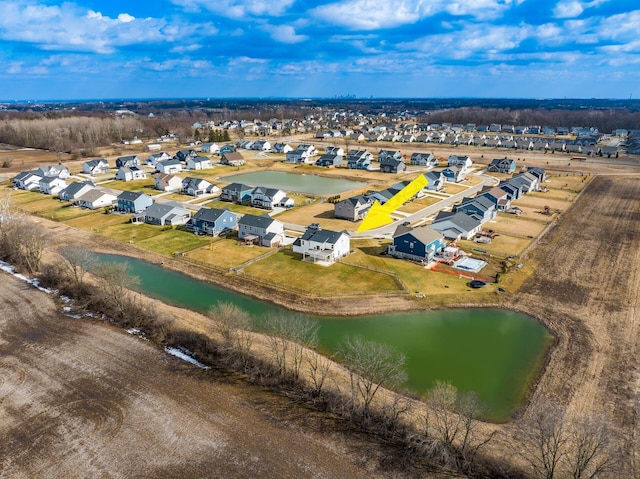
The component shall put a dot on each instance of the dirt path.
(80, 398)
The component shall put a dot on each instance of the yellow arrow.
(380, 215)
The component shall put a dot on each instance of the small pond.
(300, 183)
(494, 352)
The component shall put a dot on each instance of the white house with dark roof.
(166, 182)
(457, 226)
(423, 159)
(463, 161)
(170, 166)
(193, 186)
(28, 180)
(98, 166)
(198, 163)
(132, 173)
(320, 245)
(262, 230)
(95, 198)
(353, 209)
(52, 185)
(269, 198)
(75, 190)
(154, 158)
(210, 148)
(128, 161)
(54, 170)
(161, 214)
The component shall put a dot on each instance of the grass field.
(225, 253)
(97, 220)
(287, 269)
(240, 209)
(417, 205)
(501, 245)
(511, 224)
(321, 213)
(539, 202)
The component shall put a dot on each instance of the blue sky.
(293, 48)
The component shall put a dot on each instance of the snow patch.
(7, 268)
(184, 354)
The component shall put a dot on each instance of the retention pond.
(494, 352)
(300, 183)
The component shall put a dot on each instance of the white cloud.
(373, 14)
(574, 8)
(186, 48)
(284, 34)
(68, 27)
(237, 8)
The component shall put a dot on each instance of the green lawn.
(96, 220)
(226, 253)
(286, 268)
(240, 209)
(172, 241)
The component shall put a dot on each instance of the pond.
(300, 183)
(494, 352)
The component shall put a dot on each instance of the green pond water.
(494, 352)
(311, 184)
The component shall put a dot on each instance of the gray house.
(423, 159)
(353, 209)
(262, 230)
(481, 206)
(435, 179)
(198, 186)
(392, 165)
(166, 214)
(455, 226)
(236, 193)
(127, 161)
(133, 202)
(75, 190)
(95, 167)
(212, 221)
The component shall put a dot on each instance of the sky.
(92, 49)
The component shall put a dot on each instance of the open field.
(321, 213)
(85, 399)
(523, 225)
(225, 253)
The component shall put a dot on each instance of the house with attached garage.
(153, 159)
(212, 221)
(236, 193)
(329, 160)
(353, 209)
(94, 199)
(454, 174)
(184, 155)
(282, 148)
(513, 190)
(538, 173)
(394, 154)
(52, 185)
(359, 160)
(498, 197)
(334, 150)
(166, 182)
(320, 245)
(423, 159)
(233, 158)
(528, 181)
(127, 161)
(98, 166)
(302, 154)
(269, 198)
(212, 148)
(169, 167)
(166, 214)
(133, 202)
(436, 181)
(392, 165)
(75, 190)
(463, 161)
(262, 230)
(28, 180)
(54, 170)
(417, 244)
(481, 206)
(132, 173)
(502, 165)
(456, 226)
(261, 145)
(198, 163)
(198, 186)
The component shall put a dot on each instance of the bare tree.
(319, 367)
(78, 262)
(543, 434)
(371, 366)
(22, 242)
(289, 335)
(234, 325)
(592, 448)
(116, 285)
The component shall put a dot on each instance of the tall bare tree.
(78, 262)
(592, 448)
(234, 325)
(289, 335)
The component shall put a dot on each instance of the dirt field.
(84, 399)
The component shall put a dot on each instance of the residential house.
(75, 190)
(513, 190)
(212, 148)
(423, 159)
(302, 154)
(233, 158)
(227, 149)
(454, 174)
(198, 186)
(131, 174)
(463, 161)
(457, 226)
(329, 160)
(262, 230)
(168, 214)
(184, 155)
(481, 206)
(269, 198)
(28, 180)
(392, 165)
(170, 167)
(502, 165)
(98, 166)
(528, 181)
(353, 209)
(153, 159)
(417, 244)
(436, 181)
(261, 145)
(133, 202)
(334, 150)
(166, 182)
(54, 170)
(318, 244)
(52, 185)
(359, 159)
(212, 221)
(127, 161)
(198, 163)
(236, 193)
(498, 196)
(94, 199)
(538, 173)
(393, 154)
(282, 148)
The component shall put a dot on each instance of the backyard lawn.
(225, 253)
